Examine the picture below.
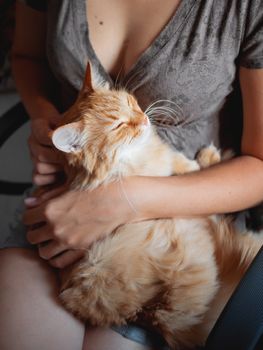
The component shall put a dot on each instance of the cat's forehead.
(106, 105)
(114, 100)
(119, 96)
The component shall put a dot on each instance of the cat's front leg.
(182, 165)
(208, 156)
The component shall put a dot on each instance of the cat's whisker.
(100, 84)
(165, 121)
(163, 115)
(167, 110)
(178, 108)
(134, 86)
(130, 80)
(168, 116)
(156, 102)
(118, 79)
(124, 193)
(159, 107)
(168, 113)
(170, 109)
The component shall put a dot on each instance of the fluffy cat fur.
(173, 274)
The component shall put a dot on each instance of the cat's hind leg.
(106, 287)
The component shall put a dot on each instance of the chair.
(240, 325)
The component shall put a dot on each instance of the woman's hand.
(71, 221)
(45, 158)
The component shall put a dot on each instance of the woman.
(196, 53)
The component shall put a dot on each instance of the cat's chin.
(142, 140)
(146, 132)
(128, 152)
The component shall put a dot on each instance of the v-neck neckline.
(168, 30)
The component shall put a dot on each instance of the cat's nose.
(145, 120)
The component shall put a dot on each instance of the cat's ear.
(87, 83)
(69, 138)
(92, 81)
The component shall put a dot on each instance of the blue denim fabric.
(142, 336)
(17, 230)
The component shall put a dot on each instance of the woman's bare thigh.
(31, 316)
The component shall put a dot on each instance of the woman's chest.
(120, 31)
(186, 54)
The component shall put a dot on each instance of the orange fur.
(175, 274)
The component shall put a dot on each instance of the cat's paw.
(208, 156)
(228, 154)
(183, 165)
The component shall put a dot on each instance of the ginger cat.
(173, 274)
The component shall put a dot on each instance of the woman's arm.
(33, 78)
(35, 85)
(226, 187)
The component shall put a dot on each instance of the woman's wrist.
(143, 195)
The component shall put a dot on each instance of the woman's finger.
(31, 202)
(42, 153)
(51, 249)
(52, 193)
(67, 258)
(34, 215)
(41, 129)
(39, 235)
(46, 168)
(43, 180)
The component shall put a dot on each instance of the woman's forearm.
(227, 187)
(33, 82)
(35, 85)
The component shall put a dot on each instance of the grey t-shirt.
(193, 63)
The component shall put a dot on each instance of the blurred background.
(15, 165)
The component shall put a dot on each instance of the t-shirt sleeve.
(39, 5)
(251, 55)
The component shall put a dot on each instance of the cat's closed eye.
(119, 125)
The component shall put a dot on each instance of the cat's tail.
(234, 252)
(234, 249)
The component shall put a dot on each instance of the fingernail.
(31, 201)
